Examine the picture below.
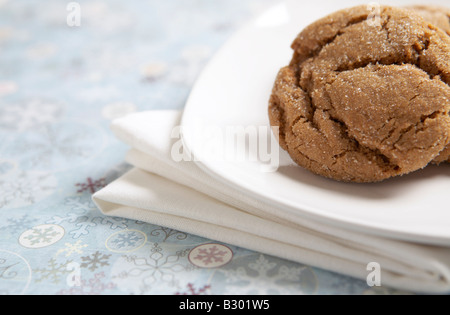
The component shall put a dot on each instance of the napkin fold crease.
(181, 196)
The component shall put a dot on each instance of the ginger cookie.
(363, 101)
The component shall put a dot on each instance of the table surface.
(60, 87)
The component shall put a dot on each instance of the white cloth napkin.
(181, 196)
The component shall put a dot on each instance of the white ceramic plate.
(234, 90)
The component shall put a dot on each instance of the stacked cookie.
(365, 100)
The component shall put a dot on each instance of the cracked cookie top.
(437, 16)
(364, 100)
(440, 17)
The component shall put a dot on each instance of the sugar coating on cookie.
(364, 102)
(439, 17)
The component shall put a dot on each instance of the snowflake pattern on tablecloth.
(146, 275)
(55, 272)
(126, 241)
(58, 146)
(16, 224)
(91, 186)
(72, 249)
(25, 188)
(210, 255)
(92, 286)
(29, 114)
(41, 236)
(80, 225)
(193, 290)
(95, 261)
(80, 205)
(264, 275)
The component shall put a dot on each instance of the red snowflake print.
(192, 290)
(94, 286)
(210, 255)
(91, 185)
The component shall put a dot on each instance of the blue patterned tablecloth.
(60, 87)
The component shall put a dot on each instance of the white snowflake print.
(58, 146)
(24, 188)
(152, 274)
(210, 255)
(71, 249)
(261, 275)
(29, 114)
(41, 236)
